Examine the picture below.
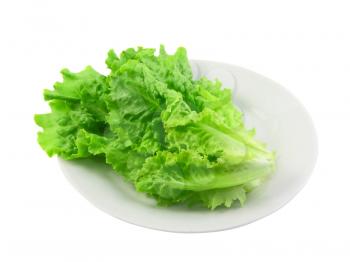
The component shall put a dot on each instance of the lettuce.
(176, 139)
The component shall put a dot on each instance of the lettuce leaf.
(179, 140)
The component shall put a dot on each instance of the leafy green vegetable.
(177, 139)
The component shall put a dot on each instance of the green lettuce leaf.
(179, 140)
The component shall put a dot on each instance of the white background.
(304, 45)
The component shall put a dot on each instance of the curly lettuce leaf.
(179, 140)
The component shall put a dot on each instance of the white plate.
(280, 120)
